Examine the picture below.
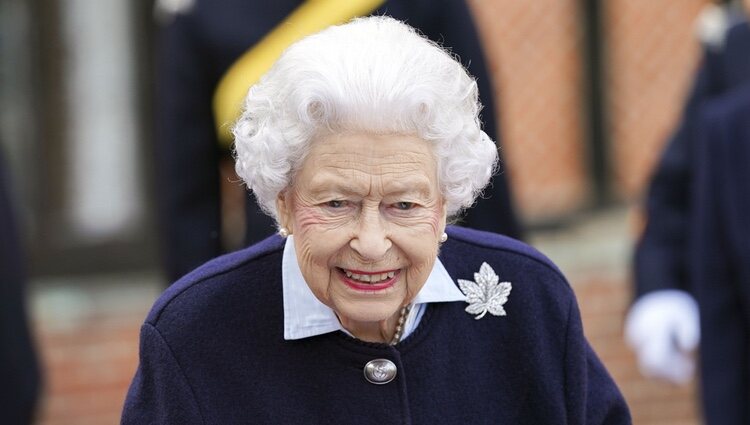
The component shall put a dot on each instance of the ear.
(284, 210)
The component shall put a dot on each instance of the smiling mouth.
(371, 279)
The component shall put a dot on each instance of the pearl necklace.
(400, 326)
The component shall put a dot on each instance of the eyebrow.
(325, 183)
(418, 186)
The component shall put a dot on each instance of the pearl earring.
(443, 237)
(283, 232)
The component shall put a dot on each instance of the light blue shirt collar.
(306, 316)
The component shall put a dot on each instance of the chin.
(369, 311)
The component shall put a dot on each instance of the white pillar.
(104, 176)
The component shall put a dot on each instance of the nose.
(371, 241)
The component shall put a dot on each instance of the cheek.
(437, 220)
(306, 229)
(428, 223)
(316, 244)
(306, 219)
(420, 244)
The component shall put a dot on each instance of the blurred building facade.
(543, 55)
(75, 125)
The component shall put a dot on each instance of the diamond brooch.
(486, 294)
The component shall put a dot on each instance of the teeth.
(369, 278)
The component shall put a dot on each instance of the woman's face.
(367, 215)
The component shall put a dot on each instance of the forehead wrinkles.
(374, 161)
(374, 157)
(363, 163)
(362, 173)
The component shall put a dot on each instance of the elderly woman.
(361, 142)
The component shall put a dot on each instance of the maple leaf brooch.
(487, 294)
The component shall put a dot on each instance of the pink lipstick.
(369, 281)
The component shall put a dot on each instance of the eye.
(404, 206)
(336, 203)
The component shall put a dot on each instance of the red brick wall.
(533, 48)
(87, 371)
(535, 53)
(652, 51)
(87, 333)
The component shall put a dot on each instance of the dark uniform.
(720, 255)
(661, 257)
(680, 245)
(197, 47)
(19, 374)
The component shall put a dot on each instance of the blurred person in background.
(720, 255)
(210, 52)
(19, 373)
(663, 325)
(361, 142)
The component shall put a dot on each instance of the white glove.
(663, 329)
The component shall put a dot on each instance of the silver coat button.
(380, 371)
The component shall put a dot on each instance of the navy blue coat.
(213, 352)
(19, 373)
(195, 50)
(661, 254)
(720, 256)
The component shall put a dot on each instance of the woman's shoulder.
(464, 243)
(530, 272)
(223, 278)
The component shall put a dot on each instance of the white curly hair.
(375, 75)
